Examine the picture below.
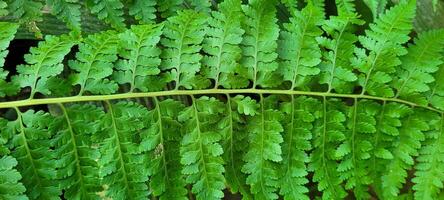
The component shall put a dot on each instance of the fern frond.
(336, 70)
(110, 11)
(384, 43)
(43, 64)
(376, 7)
(327, 135)
(31, 144)
(140, 56)
(345, 7)
(76, 157)
(436, 95)
(200, 149)
(300, 114)
(264, 152)
(260, 42)
(199, 5)
(235, 140)
(183, 35)
(7, 32)
(124, 158)
(430, 169)
(298, 49)
(68, 11)
(355, 150)
(167, 181)
(95, 63)
(221, 43)
(168, 8)
(388, 122)
(3, 8)
(419, 65)
(10, 186)
(405, 148)
(26, 11)
(143, 10)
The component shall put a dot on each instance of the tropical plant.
(220, 98)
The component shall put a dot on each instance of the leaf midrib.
(71, 99)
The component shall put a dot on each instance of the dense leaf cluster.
(227, 100)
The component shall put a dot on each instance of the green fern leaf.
(44, 63)
(167, 181)
(336, 70)
(7, 33)
(388, 123)
(300, 114)
(200, 149)
(3, 8)
(264, 152)
(31, 145)
(95, 63)
(235, 139)
(168, 8)
(376, 7)
(141, 56)
(25, 11)
(299, 51)
(110, 11)
(222, 44)
(384, 44)
(10, 185)
(436, 96)
(124, 159)
(346, 7)
(260, 43)
(327, 135)
(77, 164)
(419, 65)
(429, 170)
(143, 10)
(183, 35)
(68, 11)
(405, 148)
(355, 150)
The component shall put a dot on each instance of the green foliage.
(94, 64)
(299, 51)
(209, 98)
(200, 149)
(327, 136)
(377, 7)
(68, 11)
(110, 11)
(428, 176)
(260, 42)
(143, 10)
(167, 181)
(224, 34)
(10, 184)
(419, 65)
(183, 35)
(264, 152)
(300, 114)
(3, 10)
(76, 160)
(7, 33)
(43, 64)
(336, 70)
(140, 56)
(28, 11)
(382, 47)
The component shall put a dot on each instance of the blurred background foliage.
(430, 15)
